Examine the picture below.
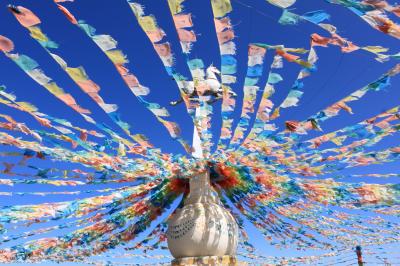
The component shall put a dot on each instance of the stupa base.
(208, 261)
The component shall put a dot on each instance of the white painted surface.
(202, 227)
(196, 144)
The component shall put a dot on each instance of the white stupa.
(202, 228)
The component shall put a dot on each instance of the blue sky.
(255, 21)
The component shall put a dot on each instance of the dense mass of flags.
(263, 175)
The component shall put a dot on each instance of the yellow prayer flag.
(221, 7)
(77, 73)
(27, 106)
(116, 56)
(393, 110)
(318, 170)
(4, 101)
(275, 114)
(175, 6)
(375, 49)
(148, 23)
(37, 34)
(54, 89)
(295, 50)
(338, 140)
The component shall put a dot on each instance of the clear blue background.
(254, 20)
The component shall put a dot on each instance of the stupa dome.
(202, 227)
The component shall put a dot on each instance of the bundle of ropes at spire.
(287, 185)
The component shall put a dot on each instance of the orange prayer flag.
(186, 35)
(225, 36)
(317, 40)
(68, 14)
(287, 56)
(163, 49)
(6, 45)
(121, 69)
(88, 86)
(256, 50)
(156, 35)
(70, 101)
(67, 98)
(350, 48)
(396, 10)
(222, 24)
(292, 125)
(183, 21)
(24, 16)
(131, 80)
